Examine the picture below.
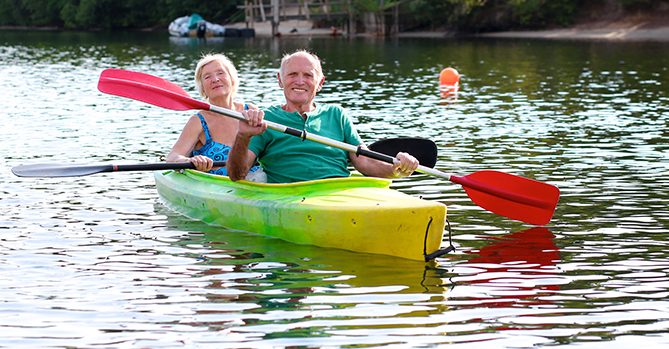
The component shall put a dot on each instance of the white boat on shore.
(195, 26)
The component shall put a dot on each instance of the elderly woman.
(207, 135)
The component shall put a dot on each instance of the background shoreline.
(642, 30)
(624, 30)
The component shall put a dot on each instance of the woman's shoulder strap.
(204, 126)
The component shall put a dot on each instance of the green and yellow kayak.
(359, 214)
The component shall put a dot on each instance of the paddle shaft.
(167, 95)
(471, 183)
(312, 137)
(505, 194)
(160, 166)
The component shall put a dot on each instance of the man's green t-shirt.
(288, 159)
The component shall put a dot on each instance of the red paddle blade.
(511, 196)
(148, 89)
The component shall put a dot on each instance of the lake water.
(99, 262)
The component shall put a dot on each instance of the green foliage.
(12, 13)
(110, 14)
(42, 12)
(465, 7)
(539, 13)
(483, 15)
(367, 5)
(434, 11)
(632, 2)
(467, 15)
(67, 14)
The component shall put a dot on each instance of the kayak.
(361, 214)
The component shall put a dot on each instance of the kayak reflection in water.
(286, 158)
(207, 135)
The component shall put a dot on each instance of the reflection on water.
(513, 268)
(98, 261)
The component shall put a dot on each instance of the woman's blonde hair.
(225, 61)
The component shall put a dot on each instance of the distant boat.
(195, 26)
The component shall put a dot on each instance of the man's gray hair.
(288, 56)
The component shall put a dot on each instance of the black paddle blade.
(59, 170)
(74, 170)
(422, 149)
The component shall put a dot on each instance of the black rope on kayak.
(427, 232)
(442, 251)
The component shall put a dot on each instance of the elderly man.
(286, 158)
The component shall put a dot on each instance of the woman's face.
(216, 80)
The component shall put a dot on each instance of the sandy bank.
(609, 33)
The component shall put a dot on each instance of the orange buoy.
(449, 77)
(449, 84)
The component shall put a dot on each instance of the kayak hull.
(358, 213)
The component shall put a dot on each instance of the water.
(99, 262)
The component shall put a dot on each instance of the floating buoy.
(449, 77)
(449, 84)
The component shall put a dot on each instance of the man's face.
(301, 80)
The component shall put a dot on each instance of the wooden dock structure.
(285, 10)
(384, 21)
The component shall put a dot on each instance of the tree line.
(462, 15)
(110, 14)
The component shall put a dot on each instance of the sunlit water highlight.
(98, 261)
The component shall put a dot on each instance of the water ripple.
(98, 261)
